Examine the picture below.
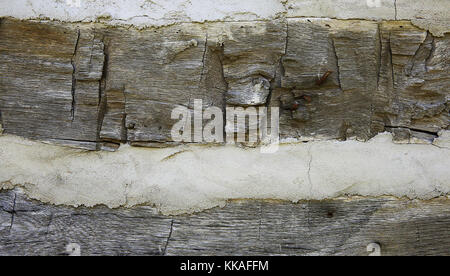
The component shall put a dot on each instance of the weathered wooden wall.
(94, 86)
(333, 227)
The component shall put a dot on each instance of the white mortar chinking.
(201, 177)
(430, 15)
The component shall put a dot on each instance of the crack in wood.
(432, 51)
(419, 49)
(74, 80)
(391, 56)
(168, 238)
(204, 57)
(13, 213)
(124, 131)
(102, 99)
(379, 53)
(337, 63)
(415, 129)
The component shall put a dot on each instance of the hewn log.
(331, 227)
(90, 86)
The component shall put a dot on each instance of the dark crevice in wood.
(337, 64)
(74, 80)
(379, 53)
(13, 213)
(414, 57)
(102, 101)
(204, 58)
(168, 238)
(420, 49)
(124, 131)
(432, 51)
(414, 129)
(391, 56)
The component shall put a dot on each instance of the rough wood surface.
(93, 87)
(332, 227)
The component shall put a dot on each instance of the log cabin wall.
(87, 91)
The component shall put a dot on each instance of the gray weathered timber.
(340, 105)
(251, 57)
(93, 87)
(413, 89)
(331, 227)
(31, 228)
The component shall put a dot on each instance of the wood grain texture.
(332, 227)
(93, 87)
